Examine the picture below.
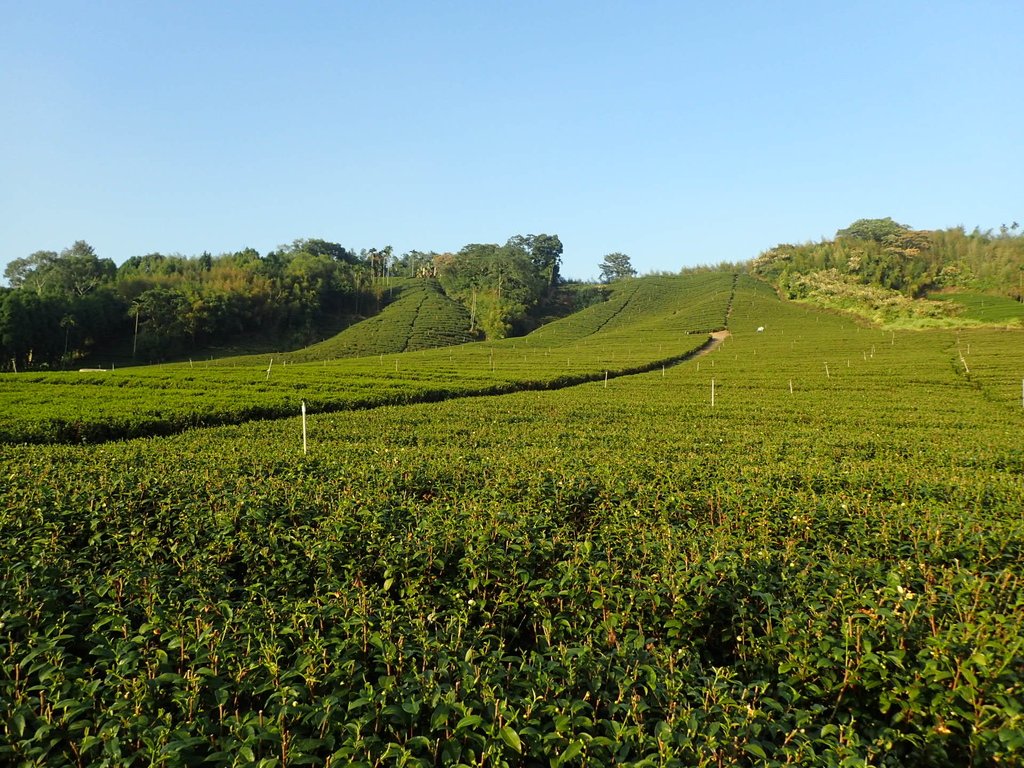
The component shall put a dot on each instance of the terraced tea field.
(821, 568)
(421, 317)
(644, 325)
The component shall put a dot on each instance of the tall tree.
(81, 270)
(873, 229)
(32, 272)
(545, 252)
(75, 271)
(616, 266)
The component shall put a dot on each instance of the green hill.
(803, 547)
(883, 271)
(646, 323)
(421, 317)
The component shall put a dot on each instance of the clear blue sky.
(678, 133)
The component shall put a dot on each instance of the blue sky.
(678, 133)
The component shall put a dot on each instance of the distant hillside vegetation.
(884, 270)
(75, 309)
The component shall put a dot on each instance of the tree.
(319, 247)
(616, 266)
(80, 270)
(32, 272)
(545, 252)
(75, 271)
(163, 313)
(873, 229)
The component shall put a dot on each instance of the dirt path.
(717, 337)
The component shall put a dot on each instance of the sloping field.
(693, 304)
(650, 322)
(823, 567)
(984, 308)
(422, 317)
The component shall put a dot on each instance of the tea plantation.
(821, 566)
(644, 325)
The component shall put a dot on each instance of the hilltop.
(896, 276)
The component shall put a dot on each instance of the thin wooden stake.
(303, 427)
(791, 386)
(606, 379)
(827, 374)
(712, 393)
(269, 367)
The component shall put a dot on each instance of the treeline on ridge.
(886, 254)
(62, 307)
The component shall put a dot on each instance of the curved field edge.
(823, 575)
(647, 324)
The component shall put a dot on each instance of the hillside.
(803, 548)
(419, 316)
(893, 275)
(645, 324)
(76, 309)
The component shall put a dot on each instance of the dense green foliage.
(60, 308)
(822, 568)
(616, 266)
(643, 325)
(887, 255)
(500, 284)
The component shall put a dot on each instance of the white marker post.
(303, 427)
(712, 393)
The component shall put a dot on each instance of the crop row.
(421, 317)
(620, 574)
(93, 406)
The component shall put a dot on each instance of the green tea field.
(584, 546)
(644, 325)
